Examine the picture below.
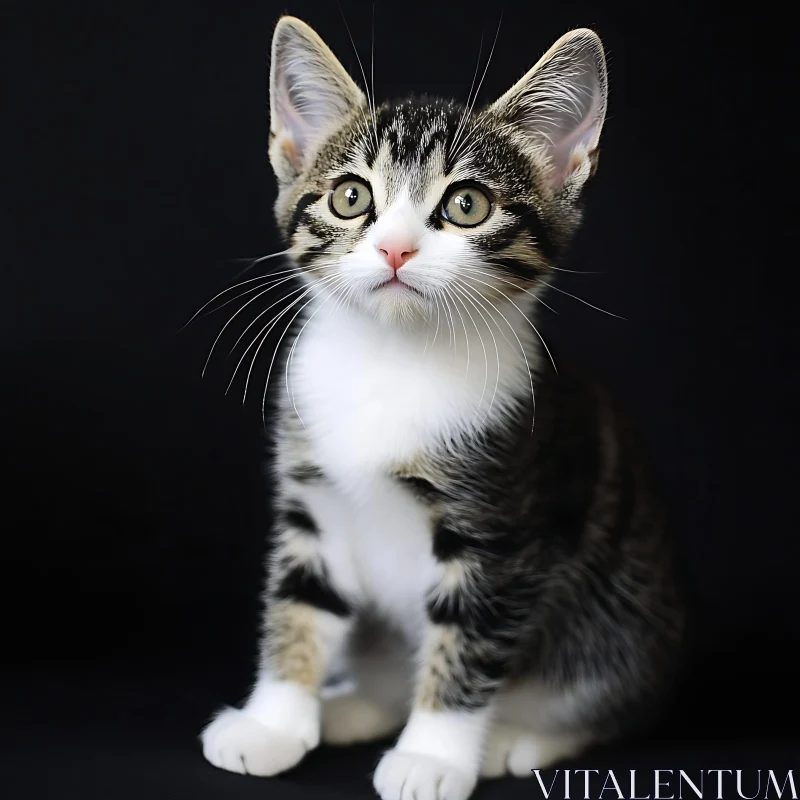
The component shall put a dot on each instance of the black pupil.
(351, 193)
(465, 201)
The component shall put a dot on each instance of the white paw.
(239, 743)
(351, 718)
(516, 751)
(407, 776)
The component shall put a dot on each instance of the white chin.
(396, 305)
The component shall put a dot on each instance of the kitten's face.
(424, 207)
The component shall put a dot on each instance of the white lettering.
(739, 786)
(633, 788)
(546, 792)
(586, 781)
(789, 780)
(610, 775)
(659, 784)
(682, 776)
(719, 780)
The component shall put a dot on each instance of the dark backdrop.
(135, 174)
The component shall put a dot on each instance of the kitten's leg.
(537, 726)
(513, 750)
(438, 755)
(374, 702)
(351, 718)
(280, 721)
(306, 622)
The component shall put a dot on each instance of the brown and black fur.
(568, 570)
(554, 560)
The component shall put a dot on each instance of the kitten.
(468, 536)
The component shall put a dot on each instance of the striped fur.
(473, 540)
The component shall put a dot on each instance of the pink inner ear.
(310, 91)
(290, 152)
(291, 121)
(560, 103)
(570, 146)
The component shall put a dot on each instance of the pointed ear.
(561, 105)
(309, 92)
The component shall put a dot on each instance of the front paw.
(408, 776)
(238, 743)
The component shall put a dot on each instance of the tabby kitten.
(469, 537)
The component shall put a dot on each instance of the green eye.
(351, 198)
(466, 206)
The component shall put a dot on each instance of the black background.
(135, 173)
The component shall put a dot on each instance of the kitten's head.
(411, 205)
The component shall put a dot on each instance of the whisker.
(233, 299)
(510, 283)
(266, 330)
(463, 325)
(527, 363)
(256, 261)
(286, 296)
(370, 100)
(577, 271)
(345, 298)
(337, 281)
(372, 72)
(477, 296)
(261, 314)
(274, 356)
(452, 341)
(282, 299)
(436, 332)
(460, 287)
(268, 282)
(349, 291)
(269, 275)
(525, 317)
(435, 298)
(464, 116)
(485, 70)
(581, 300)
(233, 317)
(290, 394)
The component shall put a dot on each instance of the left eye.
(351, 198)
(466, 206)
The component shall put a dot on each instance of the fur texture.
(468, 545)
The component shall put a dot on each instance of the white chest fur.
(372, 397)
(379, 549)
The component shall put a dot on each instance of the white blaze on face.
(401, 245)
(401, 222)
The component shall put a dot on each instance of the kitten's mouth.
(395, 284)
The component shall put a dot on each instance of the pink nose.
(396, 251)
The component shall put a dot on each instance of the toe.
(409, 776)
(237, 743)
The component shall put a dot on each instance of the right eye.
(466, 206)
(351, 198)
